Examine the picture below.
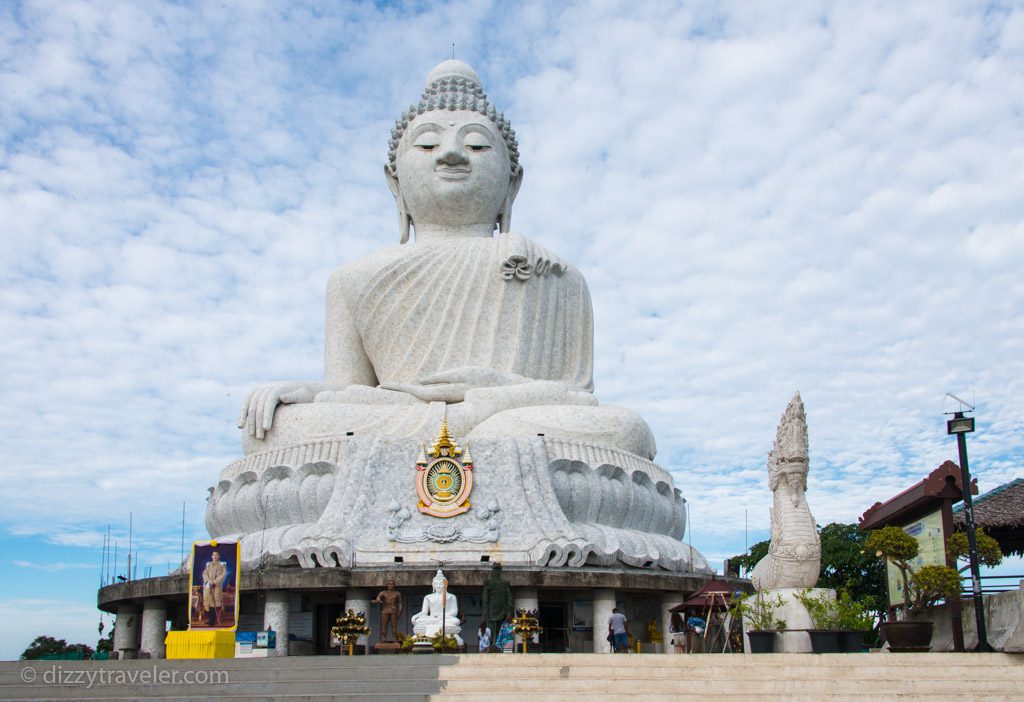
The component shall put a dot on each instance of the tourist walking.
(617, 628)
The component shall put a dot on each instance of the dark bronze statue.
(497, 601)
(390, 601)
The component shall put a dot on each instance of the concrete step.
(906, 677)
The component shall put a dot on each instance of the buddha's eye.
(428, 141)
(477, 142)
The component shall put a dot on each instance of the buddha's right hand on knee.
(258, 409)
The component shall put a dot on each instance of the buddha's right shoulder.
(355, 272)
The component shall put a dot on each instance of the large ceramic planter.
(824, 640)
(908, 637)
(761, 641)
(851, 641)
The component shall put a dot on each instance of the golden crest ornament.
(445, 479)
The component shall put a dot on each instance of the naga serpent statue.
(794, 555)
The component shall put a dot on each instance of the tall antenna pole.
(115, 559)
(129, 545)
(107, 577)
(689, 532)
(182, 531)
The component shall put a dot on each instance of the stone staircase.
(533, 678)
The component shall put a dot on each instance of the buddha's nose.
(452, 154)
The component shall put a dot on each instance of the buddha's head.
(437, 584)
(453, 162)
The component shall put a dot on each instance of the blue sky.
(764, 198)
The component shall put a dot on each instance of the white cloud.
(764, 199)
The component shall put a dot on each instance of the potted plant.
(854, 621)
(825, 617)
(922, 588)
(758, 615)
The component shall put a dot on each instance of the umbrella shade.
(713, 593)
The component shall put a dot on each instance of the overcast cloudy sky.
(764, 197)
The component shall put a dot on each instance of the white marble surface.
(794, 554)
(493, 334)
(521, 506)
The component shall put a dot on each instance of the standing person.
(677, 630)
(617, 628)
(484, 637)
(505, 635)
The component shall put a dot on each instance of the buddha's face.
(453, 168)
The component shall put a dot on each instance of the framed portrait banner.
(213, 585)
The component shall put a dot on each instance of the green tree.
(844, 565)
(106, 643)
(49, 646)
(746, 562)
(989, 553)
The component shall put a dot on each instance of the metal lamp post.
(961, 426)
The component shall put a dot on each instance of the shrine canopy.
(1000, 512)
(942, 487)
(713, 593)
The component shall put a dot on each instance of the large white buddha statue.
(440, 606)
(464, 322)
(495, 332)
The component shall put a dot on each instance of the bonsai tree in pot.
(922, 588)
(757, 611)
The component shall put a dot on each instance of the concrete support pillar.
(154, 628)
(668, 599)
(126, 630)
(526, 598)
(604, 603)
(275, 616)
(358, 600)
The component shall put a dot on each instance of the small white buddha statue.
(439, 606)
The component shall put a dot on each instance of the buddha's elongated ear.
(505, 216)
(404, 220)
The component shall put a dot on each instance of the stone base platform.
(573, 602)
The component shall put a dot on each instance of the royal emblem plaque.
(444, 477)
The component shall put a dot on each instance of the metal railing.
(995, 584)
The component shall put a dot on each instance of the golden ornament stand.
(526, 624)
(348, 628)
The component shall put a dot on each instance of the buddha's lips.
(452, 173)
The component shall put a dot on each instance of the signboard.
(300, 626)
(932, 544)
(213, 585)
(582, 615)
